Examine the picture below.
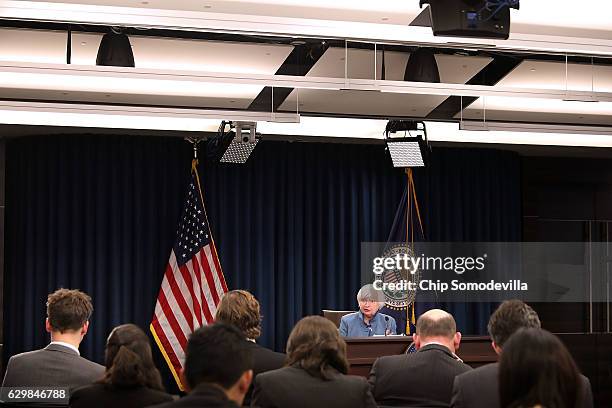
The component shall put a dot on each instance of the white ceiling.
(41, 46)
(49, 47)
(587, 18)
(549, 75)
(453, 69)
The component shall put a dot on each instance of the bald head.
(436, 323)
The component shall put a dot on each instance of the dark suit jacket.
(421, 379)
(292, 387)
(105, 396)
(480, 388)
(55, 365)
(263, 360)
(203, 396)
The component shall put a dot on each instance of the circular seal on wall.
(402, 297)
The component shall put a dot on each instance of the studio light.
(115, 50)
(234, 145)
(411, 149)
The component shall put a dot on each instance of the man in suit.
(218, 369)
(424, 378)
(60, 363)
(241, 309)
(480, 387)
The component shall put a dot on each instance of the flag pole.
(194, 169)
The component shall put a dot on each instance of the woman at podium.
(367, 321)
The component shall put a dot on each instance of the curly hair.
(240, 309)
(315, 345)
(68, 309)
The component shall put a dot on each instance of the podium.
(363, 351)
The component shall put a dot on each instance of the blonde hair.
(240, 309)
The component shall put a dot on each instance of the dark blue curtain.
(99, 213)
(468, 195)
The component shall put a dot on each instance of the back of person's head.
(68, 310)
(536, 369)
(241, 309)
(315, 345)
(437, 326)
(218, 354)
(129, 361)
(436, 323)
(509, 317)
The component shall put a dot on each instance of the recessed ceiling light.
(207, 6)
(83, 43)
(268, 53)
(385, 19)
(144, 2)
(232, 101)
(532, 69)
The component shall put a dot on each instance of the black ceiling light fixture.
(115, 50)
(422, 66)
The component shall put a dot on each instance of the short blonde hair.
(240, 309)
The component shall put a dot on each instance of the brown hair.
(128, 359)
(315, 345)
(535, 368)
(436, 323)
(509, 317)
(240, 309)
(68, 309)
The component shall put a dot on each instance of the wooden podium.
(363, 351)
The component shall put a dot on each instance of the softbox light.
(115, 50)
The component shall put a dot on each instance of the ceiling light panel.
(539, 110)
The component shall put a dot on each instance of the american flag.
(193, 282)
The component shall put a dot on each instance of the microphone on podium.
(386, 325)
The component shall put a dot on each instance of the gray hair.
(367, 292)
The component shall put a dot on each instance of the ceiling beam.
(491, 74)
(299, 62)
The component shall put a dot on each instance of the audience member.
(536, 370)
(367, 321)
(315, 375)
(131, 379)
(241, 309)
(424, 378)
(60, 363)
(218, 368)
(480, 387)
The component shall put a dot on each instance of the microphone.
(386, 325)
